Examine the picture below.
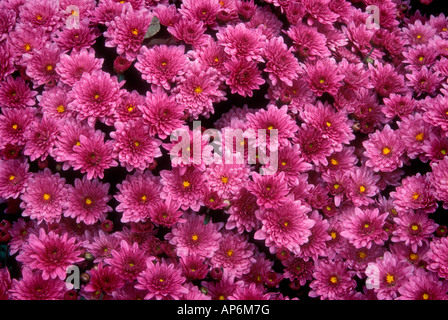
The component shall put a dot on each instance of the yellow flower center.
(334, 279)
(194, 237)
(11, 177)
(390, 278)
(415, 196)
(386, 150)
(143, 198)
(334, 162)
(362, 255)
(414, 227)
(443, 151)
(221, 297)
(321, 81)
(362, 189)
(198, 90)
(96, 96)
(420, 136)
(366, 226)
(46, 196)
(49, 67)
(283, 163)
(333, 235)
(336, 186)
(328, 124)
(419, 36)
(78, 143)
(134, 32)
(27, 47)
(131, 264)
(270, 127)
(413, 256)
(130, 108)
(15, 126)
(425, 296)
(136, 143)
(216, 59)
(88, 201)
(229, 252)
(39, 17)
(161, 280)
(186, 184)
(60, 109)
(224, 180)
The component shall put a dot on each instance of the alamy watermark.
(229, 146)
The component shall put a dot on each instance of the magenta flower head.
(204, 11)
(41, 65)
(50, 253)
(161, 281)
(160, 65)
(437, 256)
(127, 31)
(127, 261)
(438, 178)
(95, 96)
(384, 150)
(45, 198)
(363, 228)
(423, 286)
(271, 190)
(324, 76)
(15, 93)
(14, 176)
(41, 14)
(243, 76)
(71, 67)
(286, 226)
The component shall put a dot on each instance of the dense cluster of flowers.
(91, 91)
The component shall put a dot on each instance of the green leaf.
(206, 219)
(154, 27)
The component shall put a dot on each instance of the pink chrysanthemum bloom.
(308, 42)
(393, 273)
(166, 213)
(420, 56)
(198, 89)
(88, 201)
(414, 193)
(204, 11)
(167, 14)
(127, 261)
(355, 75)
(291, 162)
(242, 212)
(137, 195)
(7, 21)
(436, 148)
(436, 112)
(319, 11)
(15, 93)
(184, 185)
(438, 178)
(83, 37)
(418, 33)
(70, 133)
(54, 102)
(364, 227)
(92, 155)
(333, 124)
(103, 282)
(50, 253)
(194, 268)
(423, 286)
(33, 287)
(129, 107)
(20, 232)
(162, 281)
(265, 20)
(5, 283)
(41, 14)
(313, 146)
(324, 76)
(41, 65)
(272, 118)
(398, 105)
(6, 61)
(295, 96)
(270, 190)
(414, 229)
(133, 146)
(250, 292)
(384, 150)
(41, 138)
(242, 42)
(437, 257)
(332, 280)
(298, 270)
(71, 67)
(14, 176)
(101, 245)
(45, 198)
(243, 76)
(227, 179)
(107, 10)
(14, 123)
(161, 64)
(95, 96)
(126, 32)
(358, 259)
(162, 113)
(424, 81)
(190, 32)
(362, 186)
(286, 226)
(414, 132)
(386, 80)
(337, 182)
(316, 246)
(195, 236)
(26, 40)
(234, 254)
(211, 55)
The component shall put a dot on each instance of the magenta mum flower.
(364, 227)
(160, 65)
(243, 76)
(45, 198)
(76, 39)
(204, 11)
(423, 286)
(438, 178)
(286, 226)
(41, 138)
(308, 42)
(41, 14)
(103, 281)
(71, 67)
(127, 261)
(50, 253)
(161, 281)
(54, 102)
(14, 176)
(88, 201)
(189, 31)
(324, 76)
(32, 286)
(242, 212)
(194, 236)
(15, 93)
(41, 65)
(271, 190)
